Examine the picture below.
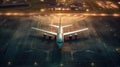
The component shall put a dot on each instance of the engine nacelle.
(49, 37)
(70, 36)
(44, 35)
(76, 35)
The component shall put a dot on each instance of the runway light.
(8, 14)
(86, 14)
(92, 64)
(93, 14)
(42, 0)
(59, 14)
(76, 9)
(21, 14)
(68, 9)
(31, 13)
(75, 15)
(118, 2)
(102, 14)
(116, 15)
(58, 8)
(35, 63)
(117, 50)
(61, 65)
(68, 15)
(42, 10)
(87, 10)
(9, 63)
(1, 13)
(15, 13)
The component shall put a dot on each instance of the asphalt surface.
(20, 46)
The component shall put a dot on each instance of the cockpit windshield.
(60, 42)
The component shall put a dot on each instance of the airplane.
(59, 35)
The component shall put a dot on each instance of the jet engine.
(76, 35)
(44, 35)
(70, 36)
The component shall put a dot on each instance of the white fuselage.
(60, 37)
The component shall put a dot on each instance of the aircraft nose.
(60, 45)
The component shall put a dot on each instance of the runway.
(20, 46)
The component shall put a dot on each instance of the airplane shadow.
(55, 52)
(43, 39)
(72, 41)
(77, 40)
(55, 55)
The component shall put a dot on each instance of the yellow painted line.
(102, 14)
(57, 14)
(18, 14)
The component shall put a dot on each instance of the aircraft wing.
(48, 32)
(68, 33)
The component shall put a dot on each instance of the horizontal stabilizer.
(67, 26)
(54, 26)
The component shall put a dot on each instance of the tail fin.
(60, 23)
(67, 26)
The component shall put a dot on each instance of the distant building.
(50, 1)
(1, 1)
(64, 2)
(13, 1)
